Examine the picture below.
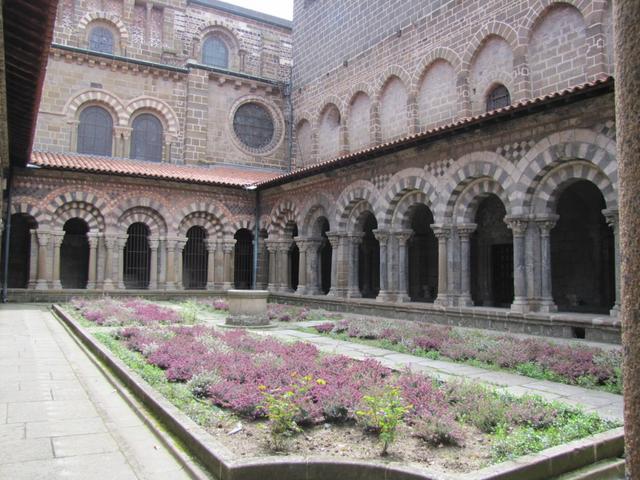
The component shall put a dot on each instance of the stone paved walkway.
(608, 405)
(59, 416)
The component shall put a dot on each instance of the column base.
(520, 305)
(170, 286)
(441, 300)
(91, 285)
(301, 290)
(615, 311)
(57, 285)
(403, 298)
(465, 300)
(385, 296)
(227, 286)
(211, 286)
(548, 306)
(42, 285)
(108, 285)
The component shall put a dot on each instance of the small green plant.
(383, 413)
(189, 312)
(283, 408)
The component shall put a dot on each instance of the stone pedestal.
(247, 308)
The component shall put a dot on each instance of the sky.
(277, 8)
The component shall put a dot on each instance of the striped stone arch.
(208, 222)
(217, 27)
(217, 213)
(559, 148)
(141, 209)
(494, 28)
(102, 97)
(557, 180)
(319, 205)
(78, 209)
(466, 205)
(356, 216)
(539, 8)
(28, 206)
(387, 75)
(403, 212)
(471, 167)
(441, 53)
(150, 217)
(361, 87)
(357, 192)
(398, 190)
(246, 223)
(304, 116)
(163, 110)
(105, 17)
(281, 215)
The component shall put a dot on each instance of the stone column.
(33, 258)
(180, 244)
(612, 219)
(272, 249)
(227, 248)
(545, 226)
(120, 243)
(442, 233)
(383, 239)
(153, 260)
(93, 260)
(284, 266)
(353, 289)
(56, 238)
(627, 74)
(43, 272)
(219, 265)
(518, 226)
(313, 273)
(303, 245)
(110, 243)
(170, 284)
(464, 233)
(403, 265)
(334, 239)
(211, 277)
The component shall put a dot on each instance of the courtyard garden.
(260, 396)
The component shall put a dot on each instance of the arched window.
(101, 40)
(498, 98)
(95, 131)
(146, 138)
(137, 257)
(194, 259)
(215, 53)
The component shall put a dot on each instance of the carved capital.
(441, 231)
(518, 225)
(382, 236)
(611, 216)
(466, 229)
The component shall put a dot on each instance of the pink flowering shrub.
(217, 304)
(287, 313)
(573, 364)
(112, 312)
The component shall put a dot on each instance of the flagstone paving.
(59, 416)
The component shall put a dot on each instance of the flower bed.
(586, 366)
(111, 312)
(222, 377)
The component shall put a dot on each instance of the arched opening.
(293, 256)
(491, 256)
(74, 254)
(582, 252)
(423, 256)
(137, 257)
(369, 258)
(101, 40)
(19, 250)
(324, 256)
(194, 259)
(243, 259)
(215, 52)
(498, 97)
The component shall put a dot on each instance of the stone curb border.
(222, 463)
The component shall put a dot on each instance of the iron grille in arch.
(499, 97)
(243, 263)
(137, 257)
(194, 259)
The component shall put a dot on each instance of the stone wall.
(403, 70)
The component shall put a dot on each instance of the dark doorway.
(137, 257)
(74, 254)
(19, 250)
(293, 257)
(491, 256)
(369, 258)
(325, 252)
(423, 257)
(582, 252)
(243, 260)
(194, 260)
